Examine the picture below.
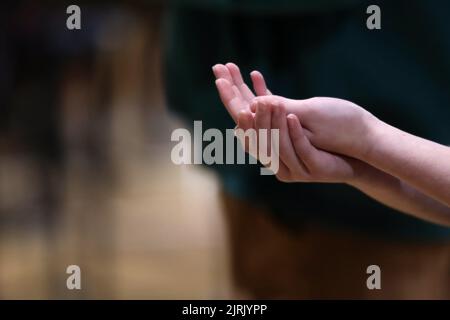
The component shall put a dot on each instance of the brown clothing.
(271, 261)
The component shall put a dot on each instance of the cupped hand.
(234, 92)
(299, 160)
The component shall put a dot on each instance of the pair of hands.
(319, 138)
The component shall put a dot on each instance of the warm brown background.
(137, 225)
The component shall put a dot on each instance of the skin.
(336, 141)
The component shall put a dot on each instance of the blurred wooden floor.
(157, 233)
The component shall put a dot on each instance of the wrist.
(371, 137)
(358, 174)
(363, 174)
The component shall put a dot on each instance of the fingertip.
(257, 80)
(255, 73)
(217, 69)
(225, 90)
(232, 65)
(217, 66)
(221, 82)
(259, 84)
(293, 122)
(242, 113)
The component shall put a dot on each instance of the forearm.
(423, 164)
(398, 195)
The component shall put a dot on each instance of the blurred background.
(85, 170)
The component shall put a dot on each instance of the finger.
(308, 133)
(259, 84)
(286, 149)
(231, 101)
(302, 145)
(235, 73)
(221, 72)
(300, 108)
(246, 122)
(237, 92)
(263, 119)
(253, 106)
(238, 81)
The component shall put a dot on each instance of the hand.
(234, 93)
(334, 125)
(302, 161)
(238, 99)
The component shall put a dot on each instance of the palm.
(234, 92)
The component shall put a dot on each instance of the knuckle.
(265, 107)
(281, 106)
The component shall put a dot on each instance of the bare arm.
(399, 195)
(302, 150)
(375, 183)
(420, 163)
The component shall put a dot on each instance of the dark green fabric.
(400, 73)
